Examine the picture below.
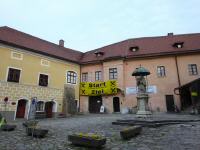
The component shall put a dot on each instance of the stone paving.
(171, 137)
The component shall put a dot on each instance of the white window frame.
(113, 74)
(39, 79)
(82, 76)
(99, 75)
(191, 69)
(159, 74)
(8, 73)
(76, 78)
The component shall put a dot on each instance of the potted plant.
(87, 140)
(4, 126)
(130, 132)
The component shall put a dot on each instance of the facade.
(173, 61)
(26, 75)
(34, 69)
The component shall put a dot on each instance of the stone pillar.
(142, 102)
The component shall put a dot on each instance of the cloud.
(89, 24)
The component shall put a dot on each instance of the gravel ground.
(171, 137)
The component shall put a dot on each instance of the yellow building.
(31, 68)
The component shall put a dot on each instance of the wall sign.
(98, 88)
(152, 89)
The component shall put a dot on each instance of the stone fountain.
(142, 94)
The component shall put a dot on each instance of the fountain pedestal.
(142, 103)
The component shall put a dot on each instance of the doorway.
(170, 103)
(116, 104)
(49, 109)
(21, 108)
(95, 103)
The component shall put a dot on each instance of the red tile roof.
(22, 40)
(148, 46)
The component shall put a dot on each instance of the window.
(192, 68)
(16, 55)
(43, 80)
(84, 77)
(161, 71)
(40, 106)
(13, 75)
(71, 77)
(98, 53)
(178, 44)
(134, 48)
(113, 73)
(97, 75)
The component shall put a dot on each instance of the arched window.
(71, 77)
(40, 106)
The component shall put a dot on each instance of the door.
(170, 103)
(49, 109)
(21, 108)
(95, 103)
(116, 104)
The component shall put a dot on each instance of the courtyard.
(183, 136)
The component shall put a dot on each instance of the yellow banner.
(98, 88)
(194, 94)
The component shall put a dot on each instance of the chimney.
(170, 34)
(61, 43)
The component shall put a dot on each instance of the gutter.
(177, 69)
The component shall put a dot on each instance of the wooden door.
(116, 104)
(95, 103)
(21, 108)
(49, 109)
(170, 103)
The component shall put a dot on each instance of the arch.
(50, 108)
(22, 108)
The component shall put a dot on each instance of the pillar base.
(143, 114)
(142, 102)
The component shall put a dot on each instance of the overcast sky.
(89, 24)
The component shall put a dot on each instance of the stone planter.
(130, 132)
(35, 132)
(87, 141)
(8, 127)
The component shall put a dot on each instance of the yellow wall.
(31, 67)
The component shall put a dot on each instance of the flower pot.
(87, 141)
(130, 132)
(35, 132)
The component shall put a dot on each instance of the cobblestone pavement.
(171, 137)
